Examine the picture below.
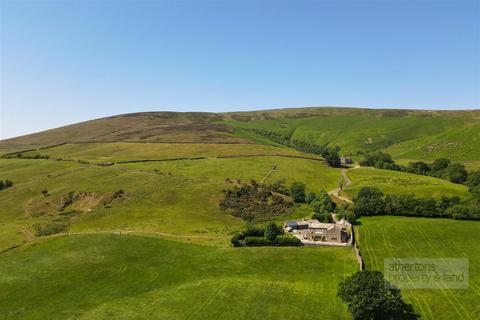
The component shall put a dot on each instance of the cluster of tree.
(254, 202)
(323, 207)
(473, 184)
(369, 296)
(331, 155)
(440, 168)
(5, 184)
(370, 201)
(271, 235)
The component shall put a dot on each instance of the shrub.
(257, 242)
(118, 194)
(297, 191)
(253, 202)
(310, 197)
(456, 173)
(45, 229)
(473, 183)
(272, 231)
(235, 240)
(6, 184)
(287, 241)
(253, 231)
(44, 192)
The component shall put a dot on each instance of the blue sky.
(68, 61)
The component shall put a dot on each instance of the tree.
(310, 197)
(272, 231)
(8, 183)
(332, 157)
(419, 167)
(369, 202)
(440, 164)
(456, 173)
(376, 159)
(325, 217)
(297, 191)
(323, 203)
(369, 296)
(473, 183)
(2, 185)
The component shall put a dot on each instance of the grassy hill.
(412, 134)
(397, 182)
(402, 237)
(123, 221)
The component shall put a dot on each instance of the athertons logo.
(427, 273)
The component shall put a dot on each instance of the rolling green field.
(174, 199)
(125, 277)
(396, 182)
(160, 249)
(406, 237)
(461, 144)
(368, 130)
(123, 151)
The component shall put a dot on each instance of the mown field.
(406, 237)
(396, 182)
(126, 277)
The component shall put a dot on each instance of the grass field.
(368, 130)
(125, 277)
(396, 182)
(406, 237)
(177, 199)
(161, 249)
(461, 144)
(315, 174)
(154, 202)
(124, 151)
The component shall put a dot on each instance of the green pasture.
(354, 132)
(125, 151)
(315, 174)
(407, 237)
(459, 143)
(124, 277)
(396, 182)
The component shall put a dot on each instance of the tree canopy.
(369, 296)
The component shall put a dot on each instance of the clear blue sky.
(68, 61)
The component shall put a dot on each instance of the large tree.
(369, 202)
(369, 297)
(297, 191)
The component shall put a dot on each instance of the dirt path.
(28, 234)
(269, 173)
(348, 182)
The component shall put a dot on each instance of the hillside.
(407, 134)
(121, 216)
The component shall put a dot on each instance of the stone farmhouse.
(313, 232)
